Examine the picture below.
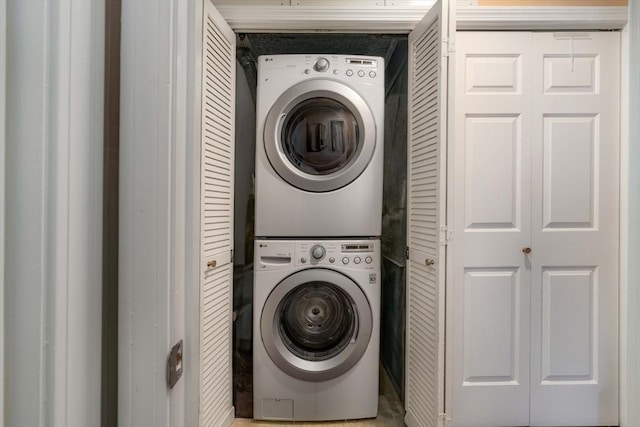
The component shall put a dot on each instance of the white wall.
(54, 94)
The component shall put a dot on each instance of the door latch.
(174, 365)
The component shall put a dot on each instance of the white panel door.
(575, 232)
(427, 136)
(217, 156)
(535, 255)
(492, 191)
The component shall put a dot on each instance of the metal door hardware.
(174, 365)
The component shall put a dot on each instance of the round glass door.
(317, 320)
(319, 136)
(316, 324)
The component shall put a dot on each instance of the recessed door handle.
(526, 250)
(212, 264)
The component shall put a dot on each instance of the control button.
(321, 65)
(318, 252)
(307, 71)
(349, 73)
(368, 260)
(360, 73)
(357, 260)
(303, 260)
(345, 260)
(335, 71)
(332, 260)
(372, 74)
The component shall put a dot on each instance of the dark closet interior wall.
(394, 49)
(243, 240)
(394, 222)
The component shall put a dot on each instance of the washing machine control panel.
(360, 255)
(282, 254)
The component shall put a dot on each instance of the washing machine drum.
(319, 135)
(316, 324)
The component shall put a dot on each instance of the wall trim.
(391, 19)
(624, 223)
(3, 94)
(542, 18)
(309, 19)
(630, 231)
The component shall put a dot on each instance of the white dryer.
(316, 335)
(319, 146)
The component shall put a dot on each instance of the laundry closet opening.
(393, 48)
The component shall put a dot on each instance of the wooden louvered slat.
(426, 160)
(218, 115)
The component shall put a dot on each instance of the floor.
(390, 412)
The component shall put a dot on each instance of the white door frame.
(178, 20)
(159, 246)
(3, 82)
(629, 228)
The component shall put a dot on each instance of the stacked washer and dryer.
(319, 161)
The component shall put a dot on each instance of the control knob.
(322, 64)
(318, 252)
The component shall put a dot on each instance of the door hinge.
(407, 253)
(231, 256)
(174, 364)
(446, 235)
(444, 420)
(445, 47)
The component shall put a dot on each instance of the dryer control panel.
(354, 68)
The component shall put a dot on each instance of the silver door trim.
(316, 370)
(319, 88)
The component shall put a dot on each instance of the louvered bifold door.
(217, 157)
(427, 111)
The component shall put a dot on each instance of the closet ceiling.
(361, 44)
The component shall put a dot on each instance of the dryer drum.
(317, 320)
(320, 136)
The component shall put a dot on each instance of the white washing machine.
(316, 335)
(319, 146)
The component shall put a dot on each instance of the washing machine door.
(319, 135)
(316, 324)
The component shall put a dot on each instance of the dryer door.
(319, 135)
(316, 324)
